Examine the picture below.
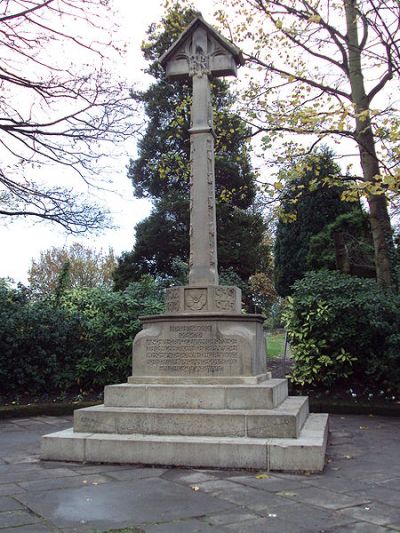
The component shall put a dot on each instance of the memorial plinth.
(200, 393)
(212, 348)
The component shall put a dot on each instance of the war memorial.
(200, 394)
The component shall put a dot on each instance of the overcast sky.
(25, 239)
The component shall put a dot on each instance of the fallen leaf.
(262, 476)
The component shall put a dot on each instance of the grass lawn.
(275, 345)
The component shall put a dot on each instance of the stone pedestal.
(200, 348)
(199, 395)
(220, 426)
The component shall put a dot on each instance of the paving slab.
(309, 518)
(185, 526)
(9, 504)
(135, 473)
(380, 494)
(248, 497)
(36, 528)
(269, 482)
(358, 527)
(63, 483)
(375, 513)
(262, 525)
(357, 492)
(17, 518)
(35, 475)
(324, 498)
(10, 488)
(188, 477)
(235, 517)
(121, 504)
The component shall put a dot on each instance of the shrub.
(110, 322)
(38, 344)
(82, 339)
(341, 326)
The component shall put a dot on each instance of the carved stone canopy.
(201, 41)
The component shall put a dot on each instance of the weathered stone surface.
(265, 395)
(200, 346)
(304, 454)
(63, 446)
(307, 452)
(283, 421)
(208, 298)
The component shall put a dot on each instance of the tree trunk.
(379, 216)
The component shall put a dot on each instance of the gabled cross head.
(201, 50)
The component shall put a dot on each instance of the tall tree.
(307, 208)
(59, 105)
(345, 244)
(330, 70)
(77, 265)
(161, 172)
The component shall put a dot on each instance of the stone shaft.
(203, 234)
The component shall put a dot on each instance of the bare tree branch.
(56, 109)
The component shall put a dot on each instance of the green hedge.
(343, 327)
(82, 340)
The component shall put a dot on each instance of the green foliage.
(111, 321)
(342, 327)
(355, 230)
(82, 341)
(38, 343)
(308, 205)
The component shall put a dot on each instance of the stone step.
(306, 453)
(283, 421)
(267, 395)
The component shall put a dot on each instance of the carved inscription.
(225, 298)
(211, 202)
(193, 350)
(172, 300)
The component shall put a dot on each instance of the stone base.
(200, 380)
(230, 426)
(306, 453)
(200, 348)
(266, 395)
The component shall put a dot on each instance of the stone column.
(203, 235)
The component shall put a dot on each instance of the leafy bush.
(342, 326)
(83, 339)
(111, 321)
(38, 344)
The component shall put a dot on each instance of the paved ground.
(358, 492)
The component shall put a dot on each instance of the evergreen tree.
(162, 170)
(308, 205)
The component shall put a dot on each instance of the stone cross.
(201, 53)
